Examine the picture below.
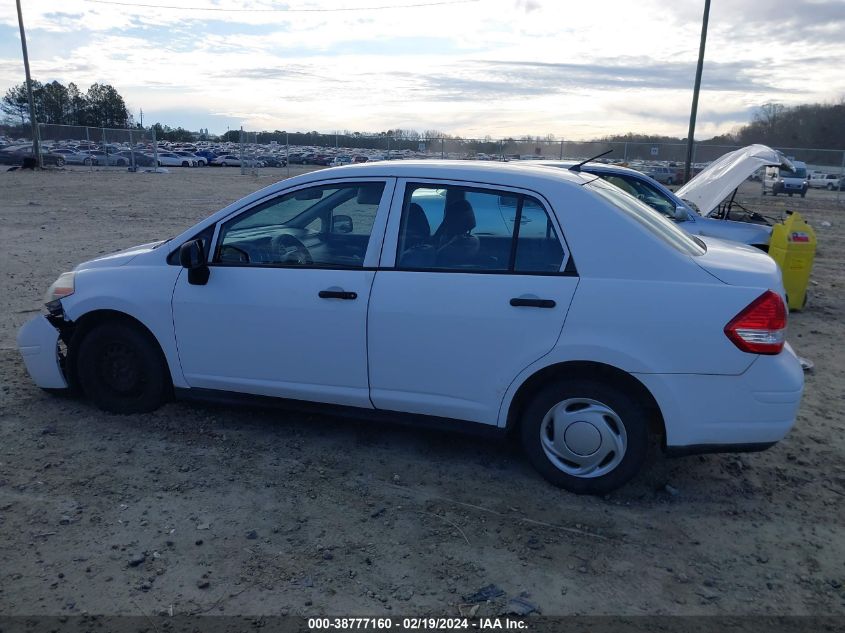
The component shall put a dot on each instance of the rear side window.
(464, 229)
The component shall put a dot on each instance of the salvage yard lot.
(211, 509)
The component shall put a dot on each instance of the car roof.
(478, 171)
(589, 167)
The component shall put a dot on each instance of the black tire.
(121, 368)
(88, 161)
(60, 162)
(185, 163)
(790, 195)
(632, 415)
(830, 187)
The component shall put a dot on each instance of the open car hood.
(728, 172)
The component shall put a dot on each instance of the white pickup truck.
(830, 182)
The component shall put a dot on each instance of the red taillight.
(761, 327)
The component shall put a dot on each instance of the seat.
(456, 246)
(417, 228)
(417, 250)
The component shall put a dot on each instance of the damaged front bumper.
(38, 341)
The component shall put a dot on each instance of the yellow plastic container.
(793, 247)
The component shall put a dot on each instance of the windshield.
(800, 172)
(657, 224)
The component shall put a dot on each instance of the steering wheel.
(290, 250)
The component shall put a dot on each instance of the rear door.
(474, 285)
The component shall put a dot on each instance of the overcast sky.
(576, 70)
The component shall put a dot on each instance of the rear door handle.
(532, 303)
(337, 294)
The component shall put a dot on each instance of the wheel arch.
(84, 324)
(584, 370)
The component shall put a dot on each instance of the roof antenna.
(584, 162)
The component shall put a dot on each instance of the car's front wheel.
(586, 436)
(121, 368)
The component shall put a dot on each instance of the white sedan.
(494, 296)
(169, 159)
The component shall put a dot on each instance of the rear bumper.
(38, 342)
(752, 411)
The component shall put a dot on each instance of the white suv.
(500, 297)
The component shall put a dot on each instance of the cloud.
(499, 67)
(784, 22)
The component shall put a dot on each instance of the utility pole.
(142, 117)
(696, 89)
(36, 149)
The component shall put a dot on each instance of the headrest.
(369, 194)
(416, 223)
(458, 218)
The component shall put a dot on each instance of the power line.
(418, 5)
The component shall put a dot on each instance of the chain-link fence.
(106, 149)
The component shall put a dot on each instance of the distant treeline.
(816, 125)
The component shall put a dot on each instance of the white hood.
(725, 174)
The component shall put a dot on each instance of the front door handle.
(532, 302)
(337, 294)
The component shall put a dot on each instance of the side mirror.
(341, 224)
(681, 213)
(192, 257)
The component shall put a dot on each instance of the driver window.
(328, 226)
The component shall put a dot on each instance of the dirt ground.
(206, 509)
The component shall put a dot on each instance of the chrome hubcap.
(583, 437)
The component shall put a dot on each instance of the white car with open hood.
(500, 297)
(697, 206)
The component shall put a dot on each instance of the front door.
(284, 311)
(474, 287)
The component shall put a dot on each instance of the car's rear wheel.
(121, 368)
(586, 436)
(60, 162)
